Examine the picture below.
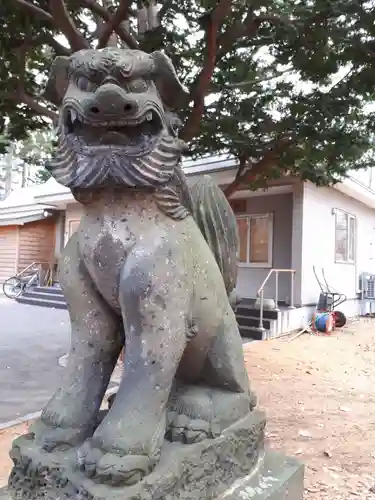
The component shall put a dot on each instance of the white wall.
(318, 242)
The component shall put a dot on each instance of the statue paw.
(113, 468)
(183, 429)
(51, 437)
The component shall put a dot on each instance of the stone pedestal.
(277, 477)
(230, 467)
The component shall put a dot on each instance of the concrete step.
(34, 294)
(32, 301)
(55, 290)
(248, 310)
(253, 332)
(44, 296)
(253, 321)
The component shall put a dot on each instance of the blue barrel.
(323, 322)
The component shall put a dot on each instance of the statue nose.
(111, 101)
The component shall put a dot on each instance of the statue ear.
(57, 81)
(172, 92)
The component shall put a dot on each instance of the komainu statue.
(150, 268)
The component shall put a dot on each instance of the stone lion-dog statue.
(151, 269)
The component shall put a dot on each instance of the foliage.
(24, 160)
(34, 152)
(281, 85)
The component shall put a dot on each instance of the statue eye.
(137, 85)
(85, 84)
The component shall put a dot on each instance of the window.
(255, 240)
(345, 229)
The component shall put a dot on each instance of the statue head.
(114, 125)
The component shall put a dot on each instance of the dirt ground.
(6, 438)
(320, 403)
(318, 393)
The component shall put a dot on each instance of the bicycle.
(16, 286)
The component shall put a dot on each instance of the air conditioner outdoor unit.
(367, 285)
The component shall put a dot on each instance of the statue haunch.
(150, 268)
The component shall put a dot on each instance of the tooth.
(149, 117)
(73, 115)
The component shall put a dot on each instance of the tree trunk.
(25, 174)
(8, 173)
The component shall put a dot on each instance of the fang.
(73, 115)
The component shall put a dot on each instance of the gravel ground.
(319, 398)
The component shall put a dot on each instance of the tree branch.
(63, 21)
(238, 30)
(20, 54)
(19, 94)
(250, 174)
(246, 29)
(253, 170)
(226, 41)
(97, 9)
(223, 44)
(205, 76)
(120, 15)
(49, 40)
(38, 108)
(166, 5)
(257, 81)
(273, 19)
(33, 9)
(21, 97)
(242, 166)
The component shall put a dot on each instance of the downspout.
(18, 241)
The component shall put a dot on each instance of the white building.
(285, 231)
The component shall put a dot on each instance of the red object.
(329, 325)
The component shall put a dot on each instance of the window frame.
(350, 234)
(262, 265)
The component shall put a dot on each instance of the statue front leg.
(96, 343)
(219, 396)
(126, 445)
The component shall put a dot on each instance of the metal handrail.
(48, 274)
(260, 292)
(31, 266)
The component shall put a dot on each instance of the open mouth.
(119, 133)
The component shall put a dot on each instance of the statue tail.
(217, 222)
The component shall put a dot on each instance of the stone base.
(201, 471)
(277, 477)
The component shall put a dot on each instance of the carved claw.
(50, 437)
(181, 429)
(113, 469)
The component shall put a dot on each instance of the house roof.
(26, 203)
(21, 207)
(21, 219)
(51, 192)
(20, 197)
(32, 201)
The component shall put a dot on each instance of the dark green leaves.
(297, 72)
